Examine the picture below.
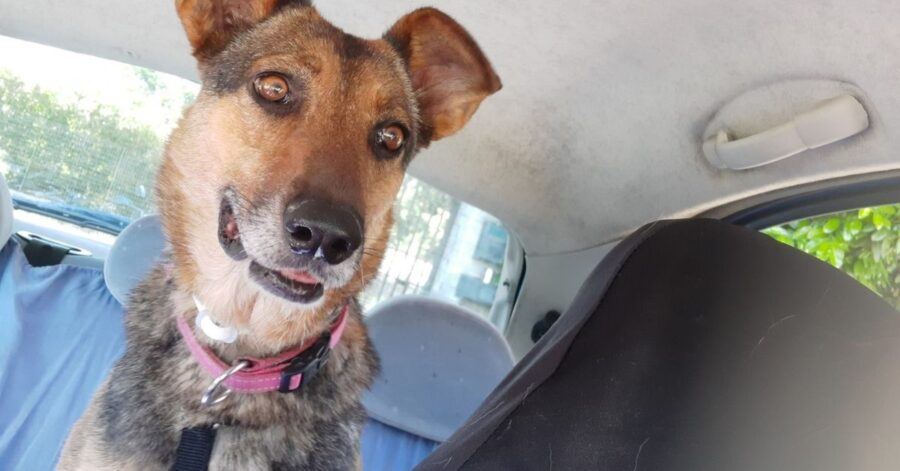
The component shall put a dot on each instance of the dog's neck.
(258, 332)
(205, 321)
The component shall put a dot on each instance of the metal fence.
(86, 158)
(424, 217)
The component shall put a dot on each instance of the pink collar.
(284, 373)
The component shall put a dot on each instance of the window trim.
(816, 199)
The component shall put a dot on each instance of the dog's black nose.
(322, 230)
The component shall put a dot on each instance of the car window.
(864, 243)
(441, 247)
(84, 147)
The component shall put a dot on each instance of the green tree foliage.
(864, 243)
(86, 156)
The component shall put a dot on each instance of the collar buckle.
(304, 367)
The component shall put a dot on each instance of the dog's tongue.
(299, 276)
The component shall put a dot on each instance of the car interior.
(671, 241)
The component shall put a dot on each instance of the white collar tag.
(209, 327)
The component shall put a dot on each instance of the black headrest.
(697, 345)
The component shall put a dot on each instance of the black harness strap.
(195, 448)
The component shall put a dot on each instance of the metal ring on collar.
(217, 393)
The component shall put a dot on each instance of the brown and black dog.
(276, 195)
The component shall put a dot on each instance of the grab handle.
(830, 121)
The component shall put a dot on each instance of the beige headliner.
(598, 127)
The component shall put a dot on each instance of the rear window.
(864, 243)
(441, 247)
(84, 146)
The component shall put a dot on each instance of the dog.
(276, 193)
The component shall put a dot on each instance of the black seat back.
(697, 345)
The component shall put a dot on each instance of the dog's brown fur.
(426, 73)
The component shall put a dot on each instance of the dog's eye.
(391, 137)
(271, 87)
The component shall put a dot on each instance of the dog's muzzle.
(304, 251)
(322, 230)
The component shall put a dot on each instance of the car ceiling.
(598, 127)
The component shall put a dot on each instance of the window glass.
(865, 243)
(80, 136)
(83, 146)
(441, 247)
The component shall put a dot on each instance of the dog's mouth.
(298, 286)
(229, 232)
(294, 285)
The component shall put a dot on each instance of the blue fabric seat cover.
(60, 332)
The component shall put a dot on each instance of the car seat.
(699, 345)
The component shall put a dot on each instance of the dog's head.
(278, 184)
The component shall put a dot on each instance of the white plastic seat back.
(133, 255)
(438, 362)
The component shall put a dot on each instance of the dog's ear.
(211, 24)
(449, 73)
